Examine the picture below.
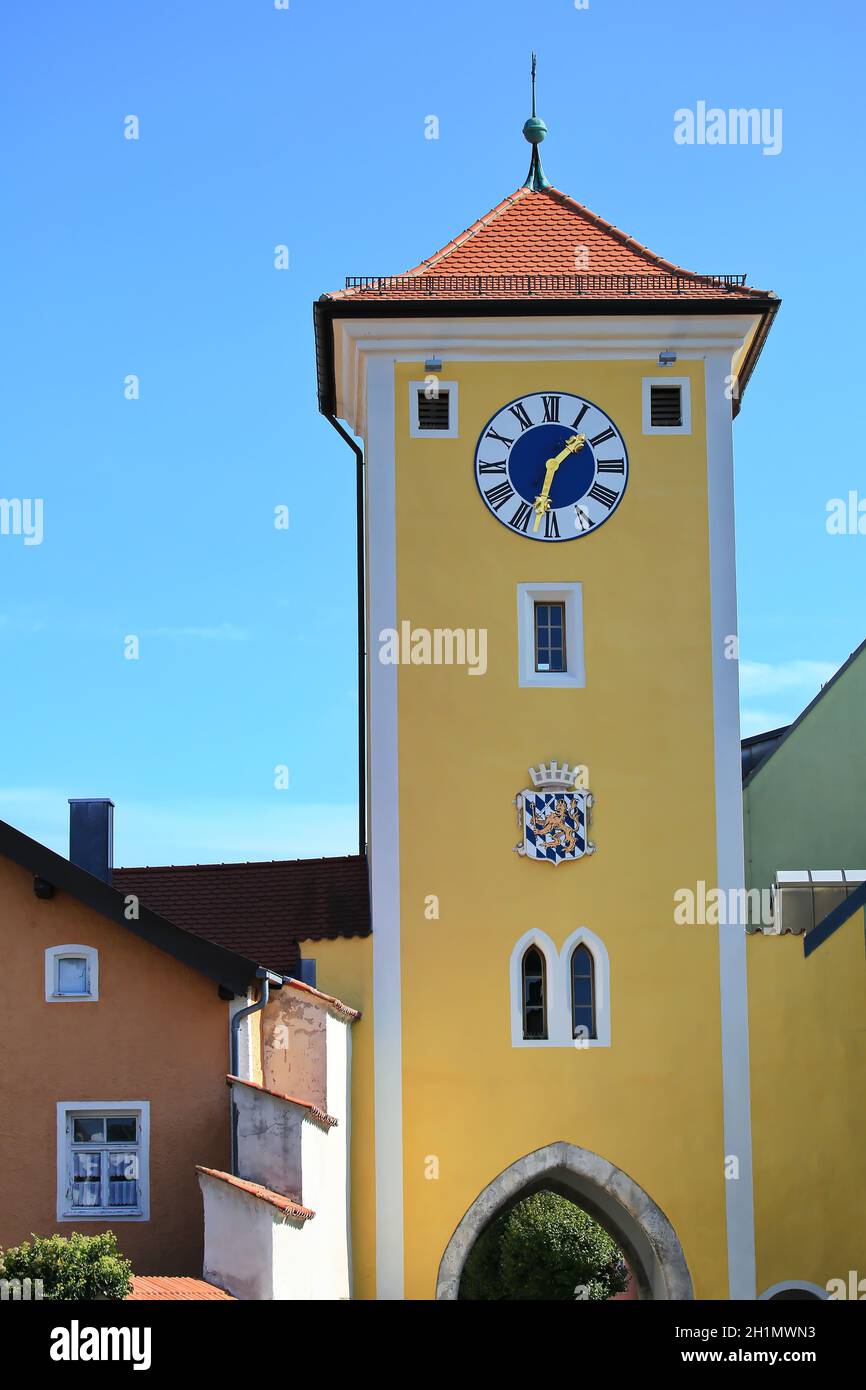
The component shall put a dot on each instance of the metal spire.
(534, 131)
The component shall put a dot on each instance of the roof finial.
(534, 131)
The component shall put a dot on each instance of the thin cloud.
(764, 678)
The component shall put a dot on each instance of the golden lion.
(554, 826)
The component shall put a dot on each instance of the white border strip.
(384, 850)
(730, 869)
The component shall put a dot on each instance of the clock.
(551, 466)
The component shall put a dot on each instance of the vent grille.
(666, 407)
(433, 412)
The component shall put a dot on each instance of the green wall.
(805, 807)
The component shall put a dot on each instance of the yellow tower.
(552, 743)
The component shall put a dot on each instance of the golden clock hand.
(542, 501)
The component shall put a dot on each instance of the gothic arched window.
(582, 993)
(534, 994)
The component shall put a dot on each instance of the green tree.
(544, 1248)
(71, 1267)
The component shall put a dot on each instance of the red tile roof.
(150, 1287)
(265, 1194)
(314, 1110)
(262, 910)
(545, 245)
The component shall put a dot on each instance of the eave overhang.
(225, 967)
(347, 331)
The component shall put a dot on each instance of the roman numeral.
(605, 495)
(520, 520)
(550, 527)
(611, 466)
(492, 467)
(551, 409)
(493, 434)
(600, 438)
(579, 416)
(581, 517)
(519, 413)
(499, 495)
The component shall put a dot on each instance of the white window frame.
(53, 955)
(684, 384)
(66, 1110)
(571, 595)
(542, 942)
(415, 430)
(557, 978)
(601, 987)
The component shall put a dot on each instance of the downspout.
(267, 979)
(362, 652)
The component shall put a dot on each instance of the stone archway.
(630, 1216)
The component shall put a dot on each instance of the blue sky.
(261, 126)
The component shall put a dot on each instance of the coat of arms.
(554, 817)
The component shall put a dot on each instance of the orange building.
(117, 1033)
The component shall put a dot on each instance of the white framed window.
(535, 998)
(71, 974)
(560, 998)
(585, 981)
(550, 635)
(666, 405)
(103, 1160)
(433, 409)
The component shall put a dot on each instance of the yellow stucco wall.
(344, 968)
(650, 1104)
(807, 1019)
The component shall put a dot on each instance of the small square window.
(550, 637)
(433, 409)
(667, 405)
(71, 975)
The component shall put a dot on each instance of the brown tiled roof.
(262, 910)
(321, 1115)
(149, 1287)
(545, 245)
(265, 1194)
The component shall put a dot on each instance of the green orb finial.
(534, 131)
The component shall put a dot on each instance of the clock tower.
(551, 748)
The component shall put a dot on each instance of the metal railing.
(577, 284)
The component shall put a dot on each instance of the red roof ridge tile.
(264, 1194)
(336, 1004)
(314, 1110)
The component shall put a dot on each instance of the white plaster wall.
(269, 1141)
(238, 1240)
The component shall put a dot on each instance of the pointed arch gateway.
(640, 1228)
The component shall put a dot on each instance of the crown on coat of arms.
(554, 776)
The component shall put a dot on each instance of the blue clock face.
(551, 466)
